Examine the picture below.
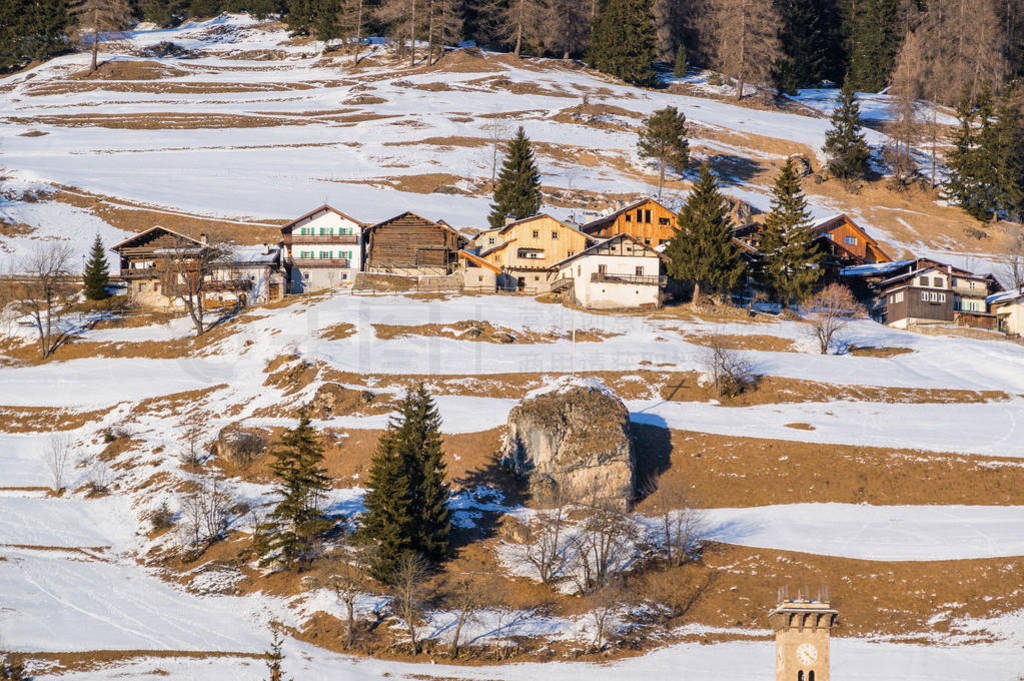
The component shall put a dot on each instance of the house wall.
(481, 279)
(653, 225)
(1011, 317)
(905, 307)
(410, 245)
(608, 294)
(489, 238)
(319, 257)
(537, 244)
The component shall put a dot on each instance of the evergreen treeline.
(786, 43)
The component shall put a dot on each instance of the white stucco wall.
(1013, 317)
(319, 278)
(611, 294)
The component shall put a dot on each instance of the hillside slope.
(245, 127)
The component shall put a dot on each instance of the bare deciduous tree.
(905, 128)
(605, 546)
(747, 36)
(1012, 261)
(204, 513)
(407, 592)
(444, 26)
(347, 581)
(831, 309)
(729, 371)
(99, 477)
(188, 269)
(467, 602)
(192, 447)
(96, 16)
(352, 22)
(43, 292)
(685, 535)
(603, 604)
(405, 21)
(546, 544)
(566, 26)
(515, 21)
(58, 456)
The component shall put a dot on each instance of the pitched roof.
(605, 242)
(321, 209)
(148, 232)
(611, 217)
(472, 257)
(440, 223)
(828, 224)
(520, 221)
(1005, 297)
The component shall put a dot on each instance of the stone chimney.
(266, 249)
(204, 239)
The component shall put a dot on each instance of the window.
(800, 675)
(602, 269)
(490, 241)
(629, 217)
(647, 216)
(851, 241)
(554, 234)
(536, 234)
(933, 297)
(662, 221)
(639, 271)
(579, 270)
(662, 242)
(647, 242)
(938, 282)
(639, 215)
(324, 230)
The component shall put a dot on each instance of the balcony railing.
(290, 239)
(634, 279)
(320, 262)
(227, 285)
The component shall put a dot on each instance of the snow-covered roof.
(1005, 296)
(253, 255)
(874, 268)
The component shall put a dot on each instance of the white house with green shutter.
(323, 249)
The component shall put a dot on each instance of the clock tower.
(802, 629)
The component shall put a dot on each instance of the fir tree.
(407, 505)
(702, 250)
(1006, 156)
(274, 658)
(297, 521)
(809, 44)
(961, 186)
(96, 275)
(679, 69)
(622, 41)
(874, 36)
(517, 193)
(844, 143)
(663, 138)
(790, 261)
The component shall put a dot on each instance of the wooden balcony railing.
(320, 262)
(290, 239)
(634, 279)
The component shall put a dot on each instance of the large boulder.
(239, 445)
(572, 441)
(333, 399)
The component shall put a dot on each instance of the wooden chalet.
(842, 241)
(411, 245)
(647, 221)
(967, 292)
(527, 249)
(146, 263)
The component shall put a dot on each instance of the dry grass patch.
(727, 471)
(338, 331)
(482, 331)
(800, 426)
(883, 352)
(36, 419)
(754, 341)
(164, 121)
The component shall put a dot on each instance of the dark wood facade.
(408, 243)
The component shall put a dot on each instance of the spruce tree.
(844, 142)
(679, 68)
(702, 250)
(809, 44)
(96, 276)
(297, 521)
(407, 505)
(517, 193)
(663, 138)
(874, 36)
(622, 41)
(1006, 155)
(960, 187)
(790, 258)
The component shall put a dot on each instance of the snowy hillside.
(243, 124)
(893, 473)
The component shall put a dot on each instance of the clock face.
(806, 654)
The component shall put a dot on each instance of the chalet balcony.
(142, 273)
(227, 285)
(632, 279)
(341, 263)
(346, 239)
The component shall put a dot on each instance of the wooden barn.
(647, 221)
(411, 245)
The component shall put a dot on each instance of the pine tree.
(844, 142)
(517, 193)
(96, 275)
(663, 138)
(808, 39)
(274, 658)
(679, 69)
(622, 41)
(960, 186)
(1008, 155)
(407, 505)
(790, 261)
(297, 522)
(702, 250)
